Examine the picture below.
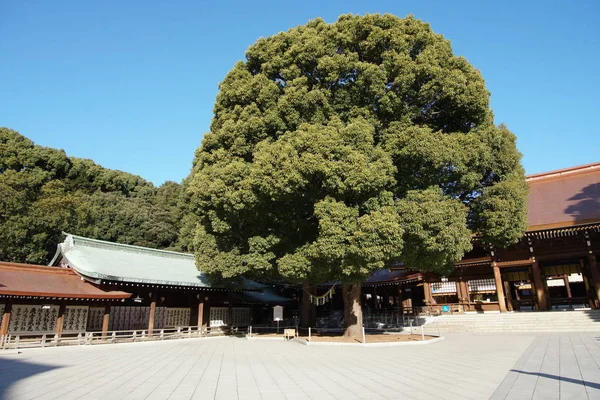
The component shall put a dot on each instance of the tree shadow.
(587, 204)
(13, 370)
(559, 378)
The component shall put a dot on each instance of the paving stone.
(464, 366)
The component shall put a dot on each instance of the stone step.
(551, 321)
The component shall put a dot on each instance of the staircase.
(549, 321)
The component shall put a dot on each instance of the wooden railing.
(48, 339)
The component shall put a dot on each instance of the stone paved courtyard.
(463, 366)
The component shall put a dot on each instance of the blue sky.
(131, 84)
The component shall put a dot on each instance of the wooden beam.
(514, 263)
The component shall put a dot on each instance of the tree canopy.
(44, 192)
(338, 148)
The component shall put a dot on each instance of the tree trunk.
(353, 319)
(307, 308)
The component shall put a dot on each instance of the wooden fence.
(49, 339)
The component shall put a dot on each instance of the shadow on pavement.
(13, 370)
(560, 378)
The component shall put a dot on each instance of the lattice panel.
(219, 316)
(482, 285)
(95, 317)
(125, 318)
(241, 316)
(443, 287)
(75, 319)
(160, 316)
(177, 317)
(32, 318)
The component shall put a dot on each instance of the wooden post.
(465, 293)
(201, 313)
(585, 273)
(459, 294)
(539, 287)
(566, 280)
(499, 288)
(105, 321)
(428, 294)
(60, 320)
(374, 297)
(6, 317)
(152, 313)
(400, 302)
(508, 294)
(230, 309)
(595, 275)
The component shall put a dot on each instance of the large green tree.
(44, 192)
(336, 149)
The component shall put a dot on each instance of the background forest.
(44, 192)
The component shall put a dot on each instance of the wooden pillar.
(230, 309)
(105, 321)
(459, 292)
(6, 317)
(206, 315)
(152, 314)
(508, 294)
(595, 275)
(374, 299)
(201, 312)
(400, 302)
(428, 294)
(566, 281)
(585, 273)
(466, 297)
(499, 288)
(60, 319)
(539, 287)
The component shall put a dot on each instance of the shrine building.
(93, 285)
(554, 265)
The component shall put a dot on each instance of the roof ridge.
(128, 246)
(42, 268)
(564, 171)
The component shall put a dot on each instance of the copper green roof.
(106, 261)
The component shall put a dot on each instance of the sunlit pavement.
(464, 366)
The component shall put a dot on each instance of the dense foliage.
(44, 192)
(336, 149)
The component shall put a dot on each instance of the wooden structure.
(37, 298)
(98, 286)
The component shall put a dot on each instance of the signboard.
(278, 313)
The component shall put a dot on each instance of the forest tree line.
(44, 192)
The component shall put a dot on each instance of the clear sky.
(131, 84)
